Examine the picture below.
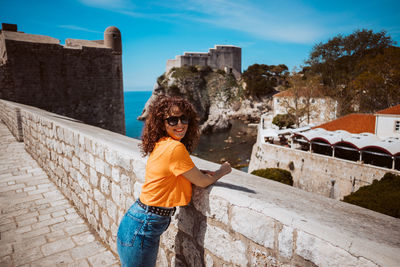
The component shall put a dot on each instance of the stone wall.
(79, 82)
(242, 220)
(316, 173)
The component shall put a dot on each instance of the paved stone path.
(38, 225)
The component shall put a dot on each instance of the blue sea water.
(134, 104)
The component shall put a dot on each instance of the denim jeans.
(138, 236)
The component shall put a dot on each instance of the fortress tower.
(224, 57)
(81, 79)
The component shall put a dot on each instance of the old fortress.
(224, 57)
(81, 79)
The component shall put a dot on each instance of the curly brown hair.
(154, 128)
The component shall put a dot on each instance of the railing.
(242, 220)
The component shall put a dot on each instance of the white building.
(320, 108)
(388, 122)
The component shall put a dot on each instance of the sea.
(234, 146)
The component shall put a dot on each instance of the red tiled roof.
(395, 110)
(353, 123)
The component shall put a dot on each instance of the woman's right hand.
(225, 168)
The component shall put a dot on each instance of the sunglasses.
(173, 120)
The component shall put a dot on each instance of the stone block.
(57, 246)
(87, 250)
(139, 168)
(68, 136)
(262, 257)
(285, 242)
(114, 230)
(93, 177)
(322, 253)
(185, 220)
(169, 239)
(99, 165)
(190, 252)
(261, 229)
(126, 184)
(100, 198)
(87, 144)
(222, 244)
(115, 176)
(124, 161)
(83, 168)
(99, 150)
(75, 162)
(105, 220)
(117, 195)
(58, 259)
(212, 206)
(111, 157)
(112, 210)
(105, 185)
(107, 170)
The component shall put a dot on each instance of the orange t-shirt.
(164, 184)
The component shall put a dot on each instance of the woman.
(171, 131)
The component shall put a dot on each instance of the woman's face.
(178, 131)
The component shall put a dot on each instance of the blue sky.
(269, 32)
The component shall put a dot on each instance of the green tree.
(262, 79)
(378, 84)
(381, 196)
(284, 120)
(336, 62)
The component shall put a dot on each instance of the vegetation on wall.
(381, 196)
(276, 174)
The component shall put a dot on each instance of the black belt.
(157, 210)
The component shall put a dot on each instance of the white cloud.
(77, 28)
(270, 20)
(107, 3)
(286, 21)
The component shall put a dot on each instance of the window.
(397, 126)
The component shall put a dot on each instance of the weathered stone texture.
(84, 84)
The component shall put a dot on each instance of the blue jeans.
(138, 236)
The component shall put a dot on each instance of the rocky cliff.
(217, 96)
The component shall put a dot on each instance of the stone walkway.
(38, 225)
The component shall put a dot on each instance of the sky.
(269, 32)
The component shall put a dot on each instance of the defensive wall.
(224, 57)
(242, 220)
(324, 175)
(81, 79)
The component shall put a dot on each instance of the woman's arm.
(197, 177)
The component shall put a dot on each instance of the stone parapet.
(242, 220)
